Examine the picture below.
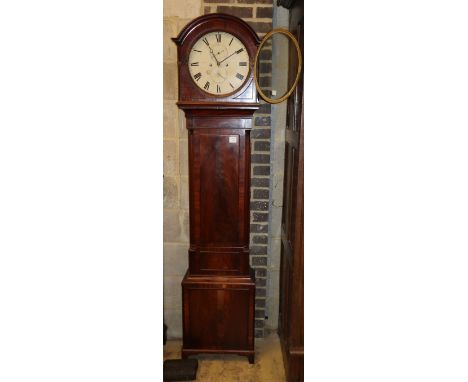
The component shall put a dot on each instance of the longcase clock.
(218, 96)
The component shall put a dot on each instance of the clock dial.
(219, 63)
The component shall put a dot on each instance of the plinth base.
(218, 315)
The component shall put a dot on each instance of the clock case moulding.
(218, 290)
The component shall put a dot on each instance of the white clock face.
(219, 63)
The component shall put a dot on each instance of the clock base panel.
(218, 315)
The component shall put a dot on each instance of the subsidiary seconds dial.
(219, 63)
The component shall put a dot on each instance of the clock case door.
(219, 286)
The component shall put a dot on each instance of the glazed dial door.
(219, 63)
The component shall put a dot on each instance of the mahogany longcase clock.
(218, 96)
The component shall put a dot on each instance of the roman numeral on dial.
(242, 63)
(240, 50)
(239, 76)
(206, 41)
(207, 85)
(194, 64)
(218, 89)
(218, 37)
(197, 76)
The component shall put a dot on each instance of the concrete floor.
(268, 365)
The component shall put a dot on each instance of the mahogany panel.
(219, 188)
(227, 262)
(219, 261)
(218, 315)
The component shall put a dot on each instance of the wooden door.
(291, 314)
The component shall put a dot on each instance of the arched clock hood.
(189, 94)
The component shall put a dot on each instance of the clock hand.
(237, 51)
(211, 51)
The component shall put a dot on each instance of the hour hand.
(211, 51)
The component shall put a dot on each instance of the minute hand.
(237, 51)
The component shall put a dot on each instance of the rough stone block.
(182, 23)
(171, 192)
(175, 259)
(184, 9)
(184, 192)
(175, 226)
(170, 120)
(172, 292)
(183, 157)
(170, 81)
(169, 48)
(182, 123)
(170, 152)
(173, 320)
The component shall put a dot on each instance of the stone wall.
(176, 207)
